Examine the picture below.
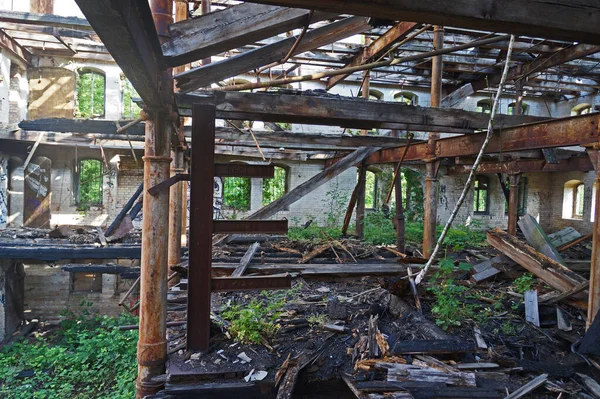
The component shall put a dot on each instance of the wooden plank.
(230, 28)
(18, 52)
(537, 238)
(556, 297)
(439, 346)
(376, 49)
(316, 270)
(52, 253)
(205, 75)
(532, 313)
(245, 261)
(316, 181)
(250, 226)
(552, 272)
(563, 236)
(127, 30)
(574, 242)
(527, 388)
(405, 372)
(552, 19)
(561, 132)
(341, 111)
(46, 20)
(251, 283)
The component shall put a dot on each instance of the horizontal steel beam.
(250, 283)
(580, 164)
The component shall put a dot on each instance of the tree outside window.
(481, 195)
(236, 193)
(407, 98)
(89, 183)
(370, 190)
(579, 194)
(484, 106)
(90, 96)
(130, 109)
(275, 187)
(524, 108)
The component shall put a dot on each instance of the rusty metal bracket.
(165, 184)
(248, 283)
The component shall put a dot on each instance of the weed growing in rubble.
(524, 283)
(317, 319)
(86, 358)
(449, 309)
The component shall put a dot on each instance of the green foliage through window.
(128, 93)
(236, 193)
(90, 95)
(275, 187)
(90, 182)
(371, 190)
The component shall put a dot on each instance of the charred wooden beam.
(582, 164)
(127, 30)
(559, 19)
(221, 31)
(47, 20)
(250, 226)
(14, 48)
(278, 281)
(342, 111)
(205, 75)
(375, 49)
(563, 132)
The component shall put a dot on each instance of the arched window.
(484, 106)
(236, 193)
(481, 195)
(90, 94)
(581, 109)
(573, 199)
(407, 97)
(89, 183)
(128, 96)
(524, 108)
(375, 95)
(275, 187)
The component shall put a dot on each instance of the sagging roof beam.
(343, 111)
(227, 29)
(562, 132)
(205, 75)
(375, 49)
(127, 30)
(522, 71)
(47, 20)
(558, 19)
(14, 49)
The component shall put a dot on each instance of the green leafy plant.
(524, 283)
(317, 319)
(87, 357)
(448, 308)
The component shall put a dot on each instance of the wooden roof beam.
(205, 75)
(375, 49)
(559, 19)
(14, 48)
(47, 20)
(127, 30)
(220, 31)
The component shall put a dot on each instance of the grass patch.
(87, 357)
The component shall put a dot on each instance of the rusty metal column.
(152, 343)
(431, 179)
(175, 209)
(513, 203)
(594, 298)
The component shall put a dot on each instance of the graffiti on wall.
(3, 192)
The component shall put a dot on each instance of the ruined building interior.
(309, 198)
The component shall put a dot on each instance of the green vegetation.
(86, 358)
(524, 283)
(90, 183)
(317, 319)
(90, 95)
(236, 193)
(275, 187)
(449, 309)
(255, 322)
(130, 109)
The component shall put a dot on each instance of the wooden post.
(513, 203)
(41, 6)
(400, 225)
(360, 200)
(594, 299)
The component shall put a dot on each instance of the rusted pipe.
(513, 203)
(430, 216)
(175, 209)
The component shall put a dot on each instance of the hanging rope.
(467, 187)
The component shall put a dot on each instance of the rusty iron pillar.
(594, 298)
(431, 180)
(152, 344)
(513, 203)
(175, 211)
